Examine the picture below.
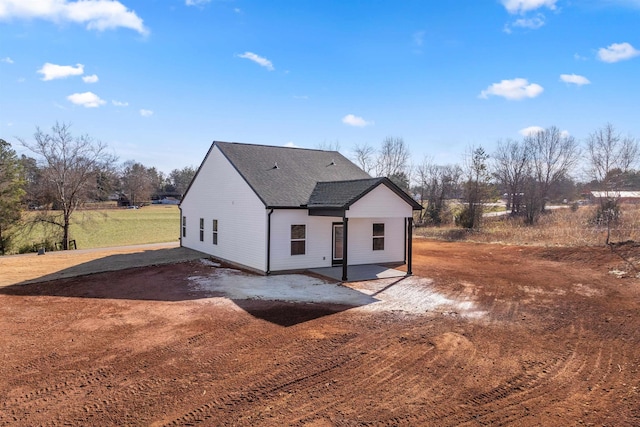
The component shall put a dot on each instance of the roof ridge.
(277, 146)
(379, 178)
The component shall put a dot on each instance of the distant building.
(622, 196)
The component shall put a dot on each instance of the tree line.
(546, 165)
(66, 172)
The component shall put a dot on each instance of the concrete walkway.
(359, 273)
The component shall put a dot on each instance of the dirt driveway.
(481, 335)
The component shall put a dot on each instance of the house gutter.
(180, 229)
(269, 241)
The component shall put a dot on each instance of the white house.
(278, 209)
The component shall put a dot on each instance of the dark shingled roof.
(342, 194)
(286, 177)
(339, 194)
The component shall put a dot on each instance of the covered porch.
(376, 198)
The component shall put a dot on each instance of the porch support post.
(409, 245)
(345, 233)
(404, 260)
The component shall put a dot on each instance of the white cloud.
(531, 130)
(515, 89)
(53, 71)
(574, 79)
(264, 62)
(617, 52)
(290, 144)
(119, 103)
(86, 99)
(530, 23)
(356, 121)
(90, 79)
(523, 6)
(96, 14)
(146, 113)
(196, 2)
(418, 38)
(7, 60)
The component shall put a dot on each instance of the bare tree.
(436, 183)
(69, 168)
(393, 159)
(553, 155)
(329, 145)
(365, 157)
(610, 157)
(512, 167)
(424, 177)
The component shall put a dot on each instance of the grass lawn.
(116, 227)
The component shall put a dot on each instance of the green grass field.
(114, 227)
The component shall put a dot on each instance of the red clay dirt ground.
(540, 336)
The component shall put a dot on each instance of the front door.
(338, 229)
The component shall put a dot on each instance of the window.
(202, 229)
(378, 237)
(215, 231)
(298, 239)
(184, 226)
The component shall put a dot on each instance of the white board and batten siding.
(318, 242)
(381, 205)
(360, 250)
(220, 193)
(381, 202)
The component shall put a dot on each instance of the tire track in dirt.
(16, 409)
(501, 405)
(366, 370)
(81, 381)
(338, 353)
(124, 391)
(233, 403)
(504, 404)
(398, 374)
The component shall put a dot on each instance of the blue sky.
(159, 80)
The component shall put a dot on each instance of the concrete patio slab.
(359, 273)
